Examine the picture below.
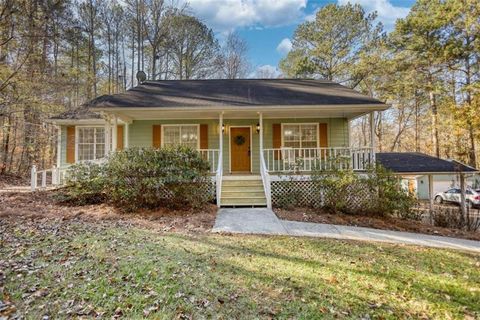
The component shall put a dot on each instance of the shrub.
(451, 217)
(85, 184)
(375, 192)
(149, 178)
(143, 178)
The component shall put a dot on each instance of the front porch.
(235, 144)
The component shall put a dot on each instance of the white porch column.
(114, 133)
(107, 135)
(126, 134)
(59, 146)
(220, 138)
(261, 131)
(372, 135)
(430, 193)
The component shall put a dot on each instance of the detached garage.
(427, 175)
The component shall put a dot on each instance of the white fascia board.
(293, 108)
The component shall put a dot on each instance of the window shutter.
(204, 136)
(157, 136)
(71, 144)
(277, 140)
(323, 127)
(119, 137)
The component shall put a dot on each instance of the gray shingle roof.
(77, 114)
(413, 162)
(242, 92)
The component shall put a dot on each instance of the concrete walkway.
(264, 221)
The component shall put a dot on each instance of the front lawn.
(70, 268)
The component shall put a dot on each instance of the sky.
(268, 25)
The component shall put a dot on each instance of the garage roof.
(415, 162)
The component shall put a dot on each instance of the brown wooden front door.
(240, 149)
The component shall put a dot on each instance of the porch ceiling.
(347, 111)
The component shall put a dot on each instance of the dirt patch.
(43, 205)
(10, 180)
(387, 223)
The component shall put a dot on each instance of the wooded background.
(57, 54)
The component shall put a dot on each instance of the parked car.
(453, 195)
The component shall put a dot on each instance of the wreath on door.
(239, 140)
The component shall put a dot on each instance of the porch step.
(243, 191)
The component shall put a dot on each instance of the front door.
(240, 152)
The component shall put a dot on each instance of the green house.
(253, 132)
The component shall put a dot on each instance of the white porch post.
(126, 134)
(33, 178)
(59, 146)
(114, 133)
(220, 138)
(261, 131)
(372, 135)
(107, 135)
(430, 192)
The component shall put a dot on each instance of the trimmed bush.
(375, 192)
(144, 178)
(85, 184)
(149, 178)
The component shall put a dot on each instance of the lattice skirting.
(209, 188)
(307, 193)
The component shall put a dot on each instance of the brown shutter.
(119, 137)
(157, 136)
(323, 135)
(71, 144)
(204, 136)
(277, 139)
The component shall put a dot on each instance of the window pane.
(309, 133)
(291, 133)
(189, 136)
(85, 152)
(181, 135)
(91, 143)
(171, 135)
(100, 150)
(100, 135)
(292, 144)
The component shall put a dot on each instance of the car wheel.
(438, 199)
(469, 205)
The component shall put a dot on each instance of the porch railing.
(210, 155)
(309, 159)
(47, 178)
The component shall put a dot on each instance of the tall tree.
(192, 47)
(330, 46)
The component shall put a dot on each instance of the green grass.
(86, 270)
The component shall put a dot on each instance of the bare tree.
(232, 61)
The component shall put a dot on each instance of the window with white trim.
(302, 135)
(90, 143)
(185, 135)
